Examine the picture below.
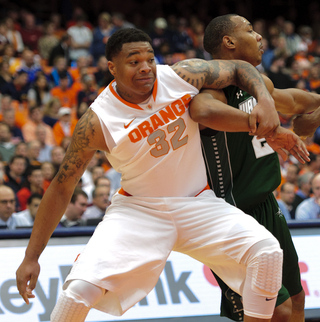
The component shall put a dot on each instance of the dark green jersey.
(240, 168)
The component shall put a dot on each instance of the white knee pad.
(263, 279)
(76, 301)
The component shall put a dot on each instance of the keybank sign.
(182, 289)
(185, 287)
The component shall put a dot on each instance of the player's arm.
(306, 124)
(292, 100)
(210, 109)
(217, 74)
(87, 138)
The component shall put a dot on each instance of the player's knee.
(265, 265)
(76, 301)
(263, 278)
(282, 313)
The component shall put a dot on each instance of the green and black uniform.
(245, 171)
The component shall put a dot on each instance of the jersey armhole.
(107, 136)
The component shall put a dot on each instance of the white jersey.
(156, 145)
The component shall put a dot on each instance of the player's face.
(248, 45)
(134, 70)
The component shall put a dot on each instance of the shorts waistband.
(124, 193)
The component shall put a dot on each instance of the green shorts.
(269, 215)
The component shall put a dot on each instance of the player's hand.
(264, 119)
(26, 277)
(306, 124)
(284, 141)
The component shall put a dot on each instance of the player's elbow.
(199, 110)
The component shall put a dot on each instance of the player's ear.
(112, 67)
(228, 42)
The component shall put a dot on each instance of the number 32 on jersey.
(163, 144)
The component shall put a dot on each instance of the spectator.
(78, 11)
(181, 39)
(160, 35)
(3, 36)
(5, 75)
(96, 172)
(292, 174)
(314, 77)
(119, 22)
(48, 172)
(65, 126)
(100, 202)
(103, 76)
(66, 95)
(9, 56)
(115, 178)
(7, 148)
(30, 64)
(101, 35)
(103, 181)
(8, 117)
(60, 68)
(45, 149)
(88, 93)
(268, 54)
(29, 129)
(14, 36)
(34, 184)
(293, 40)
(51, 111)
(278, 75)
(304, 192)
(287, 196)
(33, 151)
(48, 41)
(30, 32)
(29, 214)
(19, 87)
(81, 38)
(21, 149)
(14, 175)
(306, 35)
(39, 94)
(310, 208)
(57, 155)
(59, 31)
(87, 181)
(80, 68)
(62, 49)
(7, 207)
(75, 210)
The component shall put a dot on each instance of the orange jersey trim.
(124, 193)
(136, 106)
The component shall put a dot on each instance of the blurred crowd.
(51, 71)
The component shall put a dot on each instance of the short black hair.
(123, 36)
(77, 192)
(215, 31)
(18, 156)
(34, 196)
(63, 74)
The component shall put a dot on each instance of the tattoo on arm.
(218, 74)
(83, 133)
(199, 73)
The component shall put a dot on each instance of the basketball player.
(142, 122)
(243, 169)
